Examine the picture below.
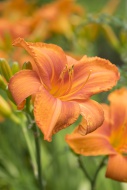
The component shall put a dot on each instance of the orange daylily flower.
(110, 139)
(62, 86)
(15, 8)
(15, 18)
(14, 28)
(57, 17)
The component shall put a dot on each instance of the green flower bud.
(15, 67)
(27, 65)
(3, 83)
(5, 69)
(9, 95)
(5, 109)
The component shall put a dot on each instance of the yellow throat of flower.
(66, 83)
(118, 139)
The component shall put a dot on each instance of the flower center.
(66, 84)
(65, 81)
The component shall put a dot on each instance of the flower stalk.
(93, 179)
(33, 126)
(30, 148)
(38, 156)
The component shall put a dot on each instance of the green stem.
(22, 123)
(30, 118)
(92, 180)
(83, 168)
(38, 153)
(30, 148)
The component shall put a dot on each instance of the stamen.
(63, 72)
(84, 82)
(62, 82)
(88, 77)
(80, 87)
(71, 75)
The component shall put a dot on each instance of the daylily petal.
(117, 168)
(93, 116)
(52, 115)
(105, 128)
(91, 76)
(118, 108)
(89, 145)
(71, 60)
(49, 60)
(24, 84)
(118, 115)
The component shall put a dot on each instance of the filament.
(70, 72)
(80, 87)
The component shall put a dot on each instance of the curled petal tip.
(17, 41)
(49, 139)
(82, 130)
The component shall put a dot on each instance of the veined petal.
(23, 84)
(105, 128)
(91, 76)
(49, 60)
(52, 115)
(89, 145)
(117, 168)
(118, 101)
(71, 60)
(118, 115)
(93, 116)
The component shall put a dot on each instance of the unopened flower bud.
(9, 95)
(3, 83)
(5, 109)
(5, 69)
(27, 65)
(15, 67)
